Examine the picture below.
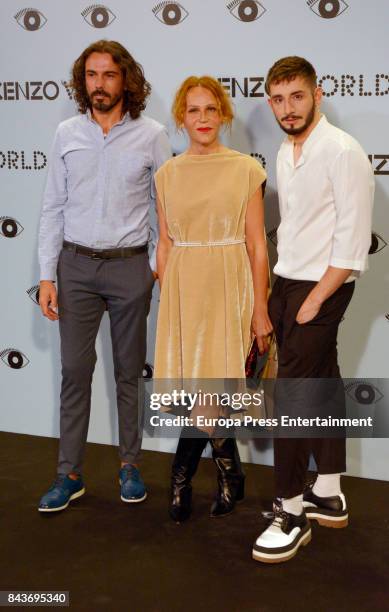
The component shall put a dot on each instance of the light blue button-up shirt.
(100, 188)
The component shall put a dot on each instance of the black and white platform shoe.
(283, 537)
(327, 511)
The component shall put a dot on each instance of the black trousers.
(306, 351)
(86, 288)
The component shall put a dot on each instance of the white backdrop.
(237, 42)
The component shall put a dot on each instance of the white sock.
(327, 485)
(293, 505)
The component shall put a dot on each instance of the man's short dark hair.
(288, 68)
(136, 87)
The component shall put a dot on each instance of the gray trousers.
(86, 288)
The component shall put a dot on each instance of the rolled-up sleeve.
(353, 184)
(51, 227)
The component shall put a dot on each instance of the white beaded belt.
(205, 244)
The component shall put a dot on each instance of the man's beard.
(101, 105)
(295, 131)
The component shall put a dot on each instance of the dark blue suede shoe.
(61, 492)
(132, 487)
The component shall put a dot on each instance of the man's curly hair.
(135, 85)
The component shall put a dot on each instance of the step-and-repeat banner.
(235, 41)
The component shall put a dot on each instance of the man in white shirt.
(326, 190)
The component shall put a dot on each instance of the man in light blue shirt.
(94, 235)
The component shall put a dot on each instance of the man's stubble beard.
(296, 131)
(105, 107)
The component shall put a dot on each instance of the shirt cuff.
(348, 264)
(48, 272)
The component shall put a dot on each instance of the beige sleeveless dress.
(206, 300)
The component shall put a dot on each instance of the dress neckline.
(207, 155)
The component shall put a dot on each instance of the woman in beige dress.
(213, 272)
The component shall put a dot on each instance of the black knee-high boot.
(184, 467)
(230, 476)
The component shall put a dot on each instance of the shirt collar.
(126, 117)
(317, 132)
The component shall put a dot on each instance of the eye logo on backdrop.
(30, 19)
(98, 16)
(246, 10)
(170, 13)
(9, 227)
(377, 244)
(13, 358)
(328, 9)
(147, 372)
(33, 294)
(363, 392)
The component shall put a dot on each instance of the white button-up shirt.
(326, 203)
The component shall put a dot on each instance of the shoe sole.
(218, 516)
(335, 522)
(285, 556)
(134, 500)
(74, 496)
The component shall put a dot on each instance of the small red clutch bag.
(252, 360)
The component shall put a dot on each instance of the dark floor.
(114, 557)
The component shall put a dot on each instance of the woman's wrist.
(260, 308)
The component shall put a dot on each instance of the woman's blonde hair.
(213, 85)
